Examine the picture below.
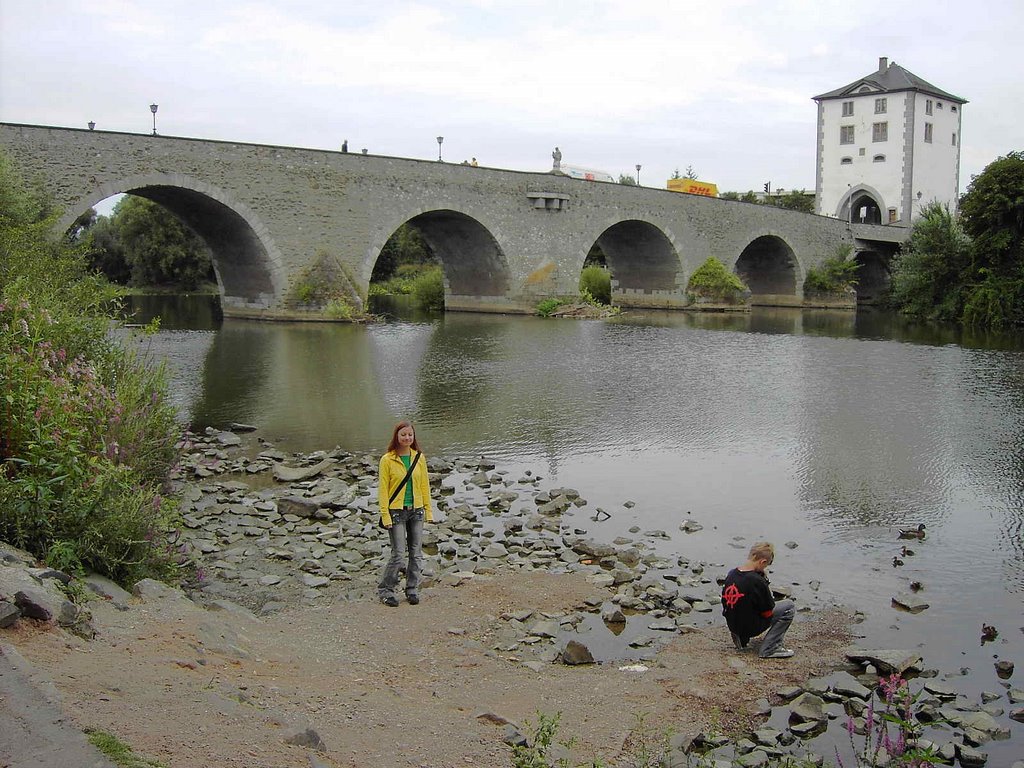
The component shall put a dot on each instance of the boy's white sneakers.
(778, 653)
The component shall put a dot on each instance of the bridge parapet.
(881, 233)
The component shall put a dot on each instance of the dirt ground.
(384, 687)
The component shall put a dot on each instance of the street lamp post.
(153, 108)
(440, 140)
(638, 174)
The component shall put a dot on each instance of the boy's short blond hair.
(763, 550)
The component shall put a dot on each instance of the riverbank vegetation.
(88, 432)
(711, 281)
(969, 268)
(836, 274)
(407, 267)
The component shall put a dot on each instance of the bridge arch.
(769, 267)
(644, 262)
(247, 264)
(873, 277)
(474, 264)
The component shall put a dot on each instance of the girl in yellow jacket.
(404, 514)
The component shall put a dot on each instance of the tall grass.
(87, 434)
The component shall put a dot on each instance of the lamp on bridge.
(92, 124)
(638, 174)
(440, 140)
(153, 108)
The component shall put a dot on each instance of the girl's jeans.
(406, 535)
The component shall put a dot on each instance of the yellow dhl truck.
(693, 187)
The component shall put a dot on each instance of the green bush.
(597, 283)
(835, 274)
(339, 308)
(995, 302)
(928, 277)
(546, 306)
(428, 289)
(88, 432)
(712, 280)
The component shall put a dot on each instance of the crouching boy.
(749, 608)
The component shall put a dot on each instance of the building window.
(846, 161)
(928, 132)
(880, 132)
(880, 106)
(878, 159)
(954, 138)
(928, 106)
(846, 134)
(938, 105)
(953, 108)
(847, 108)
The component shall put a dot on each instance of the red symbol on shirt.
(731, 596)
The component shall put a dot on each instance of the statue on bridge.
(557, 157)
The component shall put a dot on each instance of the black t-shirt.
(745, 597)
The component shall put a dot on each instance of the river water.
(828, 429)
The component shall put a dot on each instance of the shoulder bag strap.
(405, 479)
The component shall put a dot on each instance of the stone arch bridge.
(277, 218)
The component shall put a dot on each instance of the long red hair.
(393, 446)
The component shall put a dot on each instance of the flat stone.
(663, 625)
(910, 602)
(807, 707)
(286, 474)
(150, 589)
(969, 757)
(228, 438)
(9, 614)
(886, 661)
(847, 686)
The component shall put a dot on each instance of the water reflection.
(193, 312)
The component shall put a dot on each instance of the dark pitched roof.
(894, 78)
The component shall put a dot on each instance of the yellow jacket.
(392, 472)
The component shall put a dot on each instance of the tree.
(690, 173)
(992, 213)
(157, 247)
(928, 277)
(105, 252)
(794, 201)
(405, 246)
(625, 178)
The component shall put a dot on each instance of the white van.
(587, 174)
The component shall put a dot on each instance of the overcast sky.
(722, 85)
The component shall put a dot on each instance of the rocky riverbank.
(283, 653)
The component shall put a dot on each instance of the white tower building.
(888, 143)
